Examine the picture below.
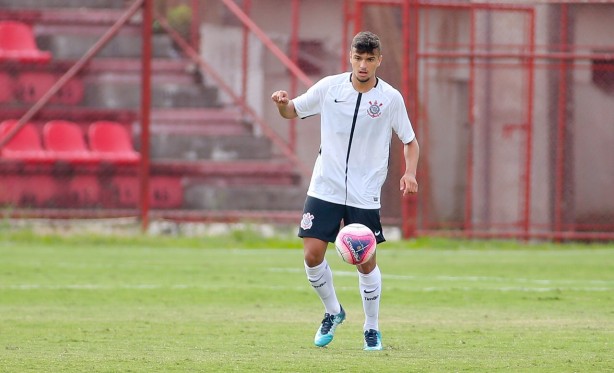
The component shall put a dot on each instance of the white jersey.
(356, 131)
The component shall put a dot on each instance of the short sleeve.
(310, 102)
(400, 121)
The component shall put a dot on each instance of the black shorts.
(322, 219)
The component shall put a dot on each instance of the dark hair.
(366, 42)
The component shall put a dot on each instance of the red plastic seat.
(25, 145)
(17, 43)
(111, 142)
(66, 141)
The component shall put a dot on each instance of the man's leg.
(319, 274)
(369, 276)
(320, 277)
(370, 285)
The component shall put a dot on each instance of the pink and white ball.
(355, 243)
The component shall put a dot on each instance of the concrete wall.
(593, 119)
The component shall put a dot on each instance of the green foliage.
(180, 19)
(240, 303)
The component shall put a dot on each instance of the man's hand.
(280, 97)
(285, 106)
(409, 185)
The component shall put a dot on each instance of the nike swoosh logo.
(314, 281)
(369, 292)
(337, 101)
(378, 233)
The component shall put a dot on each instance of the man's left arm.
(411, 152)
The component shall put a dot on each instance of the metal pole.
(410, 91)
(145, 111)
(358, 11)
(195, 25)
(559, 181)
(347, 18)
(467, 225)
(529, 135)
(247, 6)
(294, 57)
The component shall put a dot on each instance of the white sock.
(370, 291)
(321, 279)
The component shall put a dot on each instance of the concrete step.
(115, 83)
(69, 18)
(75, 114)
(236, 185)
(199, 122)
(166, 218)
(220, 148)
(239, 172)
(127, 44)
(129, 70)
(248, 197)
(47, 4)
(122, 95)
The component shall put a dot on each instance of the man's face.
(365, 64)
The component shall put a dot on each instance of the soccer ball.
(355, 243)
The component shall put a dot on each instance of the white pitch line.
(552, 285)
(461, 278)
(98, 287)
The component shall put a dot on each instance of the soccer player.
(358, 112)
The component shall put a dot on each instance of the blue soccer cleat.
(373, 340)
(326, 332)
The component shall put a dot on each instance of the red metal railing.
(145, 110)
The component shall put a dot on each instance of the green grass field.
(241, 303)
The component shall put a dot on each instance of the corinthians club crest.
(374, 110)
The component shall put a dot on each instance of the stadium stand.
(202, 152)
(17, 43)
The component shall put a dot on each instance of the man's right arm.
(285, 106)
